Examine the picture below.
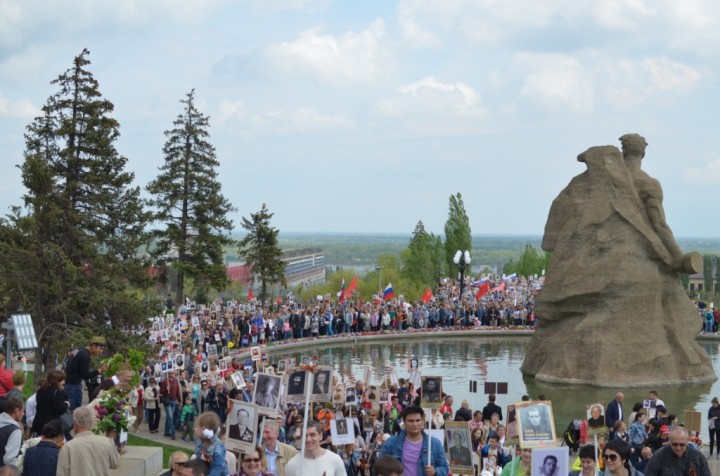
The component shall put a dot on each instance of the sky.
(365, 116)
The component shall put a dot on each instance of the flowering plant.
(27, 444)
(113, 412)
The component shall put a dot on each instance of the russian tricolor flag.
(388, 293)
(511, 277)
(480, 282)
(341, 294)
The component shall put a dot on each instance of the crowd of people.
(195, 376)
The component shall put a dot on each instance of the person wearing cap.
(78, 369)
(121, 379)
(658, 439)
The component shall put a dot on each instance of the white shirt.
(30, 409)
(329, 464)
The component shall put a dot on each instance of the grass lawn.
(29, 387)
(167, 449)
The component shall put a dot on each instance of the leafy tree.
(421, 262)
(189, 202)
(708, 274)
(70, 256)
(530, 262)
(457, 230)
(259, 248)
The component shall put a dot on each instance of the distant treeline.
(363, 249)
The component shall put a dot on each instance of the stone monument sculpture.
(612, 310)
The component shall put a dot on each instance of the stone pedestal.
(139, 461)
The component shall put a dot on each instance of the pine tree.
(190, 204)
(259, 248)
(457, 230)
(77, 243)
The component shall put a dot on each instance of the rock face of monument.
(612, 311)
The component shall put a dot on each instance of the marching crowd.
(190, 377)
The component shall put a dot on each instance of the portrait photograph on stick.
(595, 414)
(431, 390)
(535, 424)
(295, 386)
(550, 461)
(342, 431)
(242, 420)
(321, 385)
(267, 393)
(459, 452)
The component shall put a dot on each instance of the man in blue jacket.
(410, 446)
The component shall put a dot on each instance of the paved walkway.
(159, 438)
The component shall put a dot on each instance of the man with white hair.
(277, 454)
(95, 454)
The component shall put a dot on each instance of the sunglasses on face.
(610, 457)
(679, 445)
(251, 460)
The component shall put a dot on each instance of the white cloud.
(627, 83)
(557, 80)
(308, 119)
(666, 75)
(621, 14)
(431, 97)
(17, 109)
(416, 34)
(23, 22)
(231, 109)
(252, 123)
(351, 57)
(709, 174)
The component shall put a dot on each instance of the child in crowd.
(208, 447)
(188, 417)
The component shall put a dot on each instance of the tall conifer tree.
(190, 205)
(260, 250)
(71, 256)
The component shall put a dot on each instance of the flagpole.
(308, 388)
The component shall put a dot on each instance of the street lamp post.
(379, 270)
(462, 260)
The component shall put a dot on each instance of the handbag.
(66, 419)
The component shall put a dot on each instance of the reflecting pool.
(498, 359)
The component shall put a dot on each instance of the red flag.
(483, 289)
(352, 287)
(251, 295)
(500, 287)
(427, 296)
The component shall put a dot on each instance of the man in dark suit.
(614, 412)
(491, 408)
(241, 431)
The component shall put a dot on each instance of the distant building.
(304, 266)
